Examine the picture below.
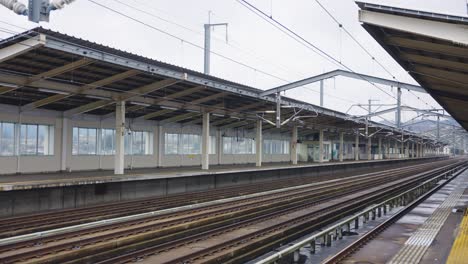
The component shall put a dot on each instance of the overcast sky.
(251, 41)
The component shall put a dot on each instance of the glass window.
(274, 146)
(107, 141)
(212, 145)
(234, 145)
(7, 139)
(84, 141)
(138, 143)
(171, 143)
(36, 139)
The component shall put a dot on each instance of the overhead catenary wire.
(251, 53)
(342, 27)
(198, 32)
(186, 41)
(300, 39)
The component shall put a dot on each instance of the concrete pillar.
(356, 147)
(258, 144)
(380, 148)
(119, 159)
(369, 148)
(63, 155)
(341, 146)
(293, 147)
(402, 148)
(321, 145)
(412, 150)
(407, 154)
(206, 141)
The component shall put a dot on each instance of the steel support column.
(356, 147)
(369, 148)
(293, 149)
(380, 148)
(341, 146)
(119, 158)
(321, 145)
(206, 141)
(63, 166)
(258, 144)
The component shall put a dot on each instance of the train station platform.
(433, 232)
(27, 193)
(14, 182)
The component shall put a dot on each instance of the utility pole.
(438, 128)
(208, 28)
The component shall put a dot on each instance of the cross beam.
(344, 73)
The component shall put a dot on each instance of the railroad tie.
(414, 248)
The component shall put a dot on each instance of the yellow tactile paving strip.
(414, 248)
(459, 252)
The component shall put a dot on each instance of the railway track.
(167, 235)
(14, 226)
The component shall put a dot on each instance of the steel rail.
(288, 204)
(309, 240)
(367, 237)
(182, 243)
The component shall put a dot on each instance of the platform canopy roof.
(431, 47)
(45, 69)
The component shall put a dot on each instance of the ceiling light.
(9, 85)
(142, 104)
(168, 107)
(53, 91)
(97, 97)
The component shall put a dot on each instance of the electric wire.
(364, 48)
(186, 41)
(303, 41)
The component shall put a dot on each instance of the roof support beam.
(344, 73)
(22, 47)
(179, 118)
(427, 46)
(122, 97)
(195, 102)
(186, 116)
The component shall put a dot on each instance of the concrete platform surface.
(425, 235)
(63, 179)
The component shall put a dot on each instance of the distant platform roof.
(431, 47)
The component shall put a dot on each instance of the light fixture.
(138, 103)
(97, 97)
(9, 85)
(218, 115)
(53, 91)
(168, 107)
(192, 111)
